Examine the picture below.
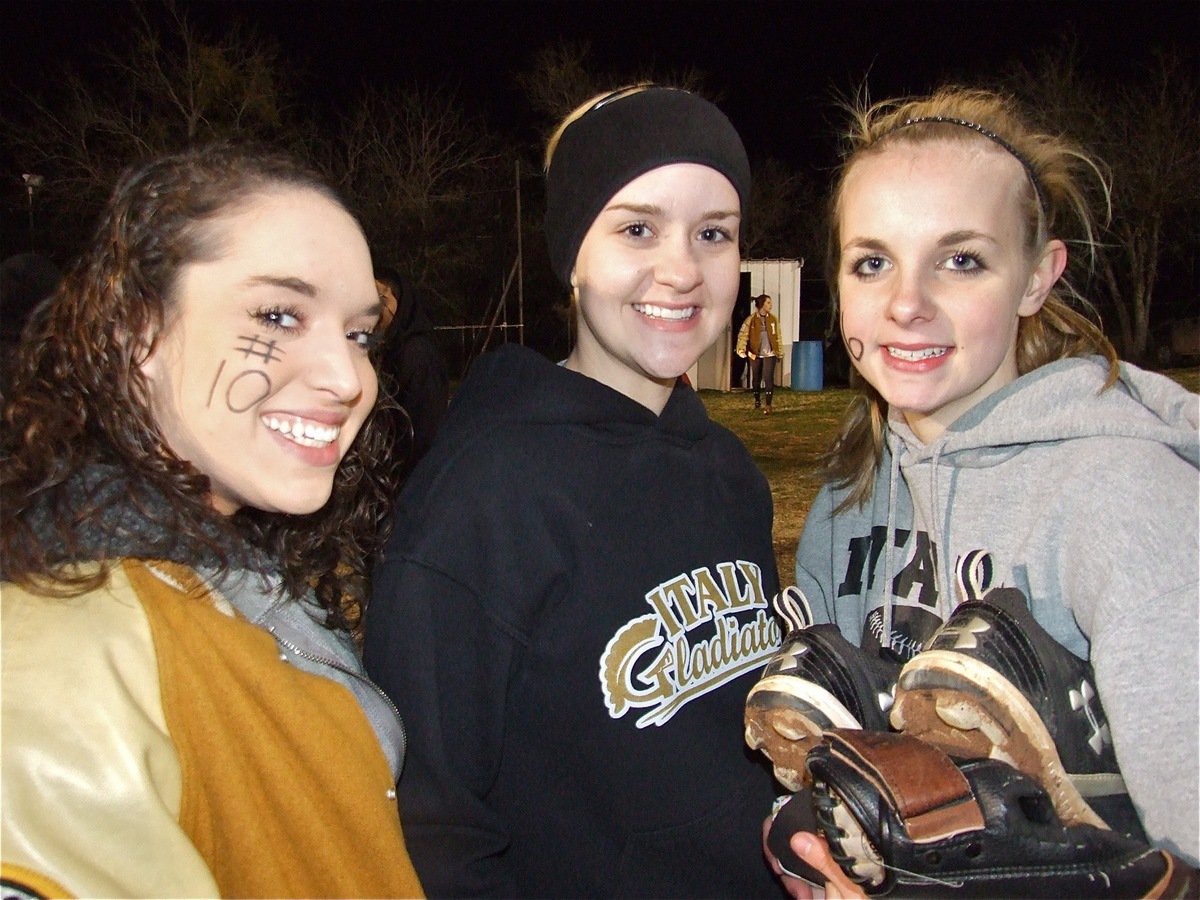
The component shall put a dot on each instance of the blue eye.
(867, 266)
(963, 262)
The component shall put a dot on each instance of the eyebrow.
(865, 243)
(650, 209)
(957, 237)
(299, 285)
(948, 239)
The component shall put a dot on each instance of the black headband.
(625, 135)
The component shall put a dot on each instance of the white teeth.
(918, 355)
(662, 312)
(306, 434)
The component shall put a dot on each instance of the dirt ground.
(786, 446)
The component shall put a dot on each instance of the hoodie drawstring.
(885, 637)
(940, 524)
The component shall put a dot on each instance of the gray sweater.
(1087, 500)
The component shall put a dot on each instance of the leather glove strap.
(928, 792)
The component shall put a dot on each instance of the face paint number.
(253, 345)
(239, 399)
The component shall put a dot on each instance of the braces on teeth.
(917, 355)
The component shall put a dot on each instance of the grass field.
(787, 443)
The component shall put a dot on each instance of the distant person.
(411, 359)
(575, 599)
(998, 443)
(190, 481)
(27, 281)
(758, 340)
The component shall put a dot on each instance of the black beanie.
(618, 140)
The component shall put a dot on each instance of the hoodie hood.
(950, 487)
(410, 317)
(1063, 401)
(515, 385)
(409, 321)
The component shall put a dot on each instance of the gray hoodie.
(1087, 500)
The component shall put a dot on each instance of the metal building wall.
(781, 279)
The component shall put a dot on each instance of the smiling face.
(261, 377)
(657, 275)
(935, 272)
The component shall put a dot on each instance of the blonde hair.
(1053, 201)
(585, 107)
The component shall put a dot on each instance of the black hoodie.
(569, 615)
(418, 372)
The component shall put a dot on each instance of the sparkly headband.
(991, 136)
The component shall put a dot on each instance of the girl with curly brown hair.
(192, 483)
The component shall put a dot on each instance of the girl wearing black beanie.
(574, 603)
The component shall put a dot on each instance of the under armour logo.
(789, 657)
(1082, 699)
(962, 636)
(256, 346)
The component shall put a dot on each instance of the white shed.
(781, 279)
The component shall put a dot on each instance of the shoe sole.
(972, 711)
(785, 717)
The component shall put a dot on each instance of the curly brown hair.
(79, 400)
(1064, 327)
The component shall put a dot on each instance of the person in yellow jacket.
(192, 483)
(758, 340)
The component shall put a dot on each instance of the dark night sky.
(774, 64)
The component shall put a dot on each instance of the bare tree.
(785, 216)
(424, 177)
(558, 80)
(1147, 131)
(562, 75)
(165, 88)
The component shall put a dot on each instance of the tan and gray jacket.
(155, 744)
(750, 336)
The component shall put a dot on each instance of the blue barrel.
(808, 366)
